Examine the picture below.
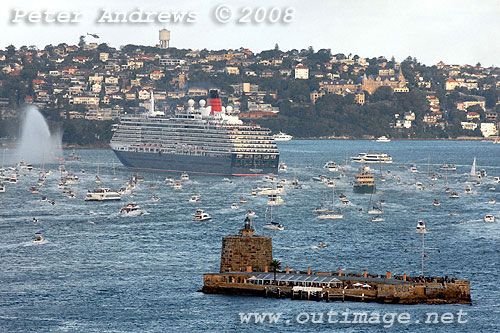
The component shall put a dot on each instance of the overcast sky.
(455, 31)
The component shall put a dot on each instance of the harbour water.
(98, 271)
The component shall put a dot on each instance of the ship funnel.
(214, 102)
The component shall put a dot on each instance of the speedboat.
(282, 137)
(448, 167)
(376, 211)
(102, 194)
(274, 200)
(34, 190)
(250, 213)
(496, 180)
(169, 180)
(177, 185)
(414, 169)
(155, 198)
(330, 183)
(243, 200)
(421, 227)
(201, 215)
(331, 166)
(436, 203)
(489, 218)
(34, 220)
(2, 187)
(346, 202)
(194, 198)
(468, 189)
(132, 209)
(491, 201)
(282, 166)
(38, 238)
(383, 139)
(235, 206)
(184, 177)
(454, 195)
(377, 218)
(274, 226)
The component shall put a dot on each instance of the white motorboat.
(414, 169)
(169, 180)
(492, 188)
(377, 218)
(376, 211)
(489, 218)
(330, 183)
(322, 245)
(267, 191)
(235, 206)
(102, 194)
(436, 203)
(34, 190)
(496, 180)
(274, 200)
(282, 166)
(184, 177)
(331, 166)
(155, 198)
(421, 227)
(383, 139)
(282, 137)
(330, 215)
(177, 185)
(34, 220)
(372, 158)
(70, 179)
(201, 215)
(194, 198)
(274, 226)
(448, 167)
(491, 201)
(38, 238)
(132, 209)
(468, 189)
(250, 213)
(454, 195)
(346, 202)
(243, 200)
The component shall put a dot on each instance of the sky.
(454, 31)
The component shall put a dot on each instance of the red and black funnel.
(215, 102)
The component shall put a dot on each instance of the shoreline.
(107, 147)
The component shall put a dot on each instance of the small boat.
(243, 200)
(489, 218)
(383, 139)
(282, 166)
(194, 198)
(52, 202)
(346, 202)
(492, 188)
(330, 183)
(274, 200)
(491, 201)
(377, 218)
(201, 215)
(97, 179)
(322, 245)
(250, 213)
(414, 169)
(102, 194)
(331, 166)
(382, 202)
(152, 186)
(155, 198)
(235, 206)
(330, 215)
(477, 184)
(34, 190)
(496, 180)
(38, 238)
(436, 203)
(274, 226)
(282, 137)
(468, 189)
(177, 185)
(454, 195)
(421, 227)
(34, 220)
(169, 180)
(184, 177)
(453, 214)
(448, 167)
(132, 209)
(447, 190)
(376, 211)
(44, 198)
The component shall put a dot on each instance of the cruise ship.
(372, 158)
(204, 140)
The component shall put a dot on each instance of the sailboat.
(97, 178)
(114, 172)
(376, 209)
(273, 225)
(473, 173)
(330, 213)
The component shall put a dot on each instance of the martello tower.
(246, 250)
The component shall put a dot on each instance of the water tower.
(164, 38)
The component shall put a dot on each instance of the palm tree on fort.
(275, 265)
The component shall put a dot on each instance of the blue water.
(100, 272)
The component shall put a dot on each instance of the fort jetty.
(245, 270)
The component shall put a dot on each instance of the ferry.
(282, 137)
(102, 194)
(205, 140)
(383, 139)
(372, 158)
(365, 182)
